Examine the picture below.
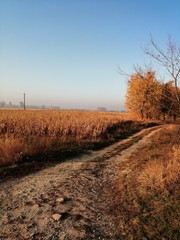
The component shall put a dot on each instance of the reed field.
(31, 132)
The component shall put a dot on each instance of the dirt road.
(69, 200)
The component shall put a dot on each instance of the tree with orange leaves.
(144, 94)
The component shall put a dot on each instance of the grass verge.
(146, 198)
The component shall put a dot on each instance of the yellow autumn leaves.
(149, 98)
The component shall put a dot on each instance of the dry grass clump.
(26, 133)
(11, 149)
(159, 173)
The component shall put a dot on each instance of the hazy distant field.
(26, 133)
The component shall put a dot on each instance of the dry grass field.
(132, 185)
(28, 133)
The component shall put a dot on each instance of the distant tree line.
(3, 104)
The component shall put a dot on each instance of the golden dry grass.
(147, 203)
(159, 174)
(30, 132)
(78, 124)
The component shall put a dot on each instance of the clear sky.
(67, 52)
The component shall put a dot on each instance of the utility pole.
(24, 101)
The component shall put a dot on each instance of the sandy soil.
(68, 200)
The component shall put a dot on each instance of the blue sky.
(67, 52)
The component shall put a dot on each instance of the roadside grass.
(146, 201)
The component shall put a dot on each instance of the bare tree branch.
(170, 60)
(122, 72)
